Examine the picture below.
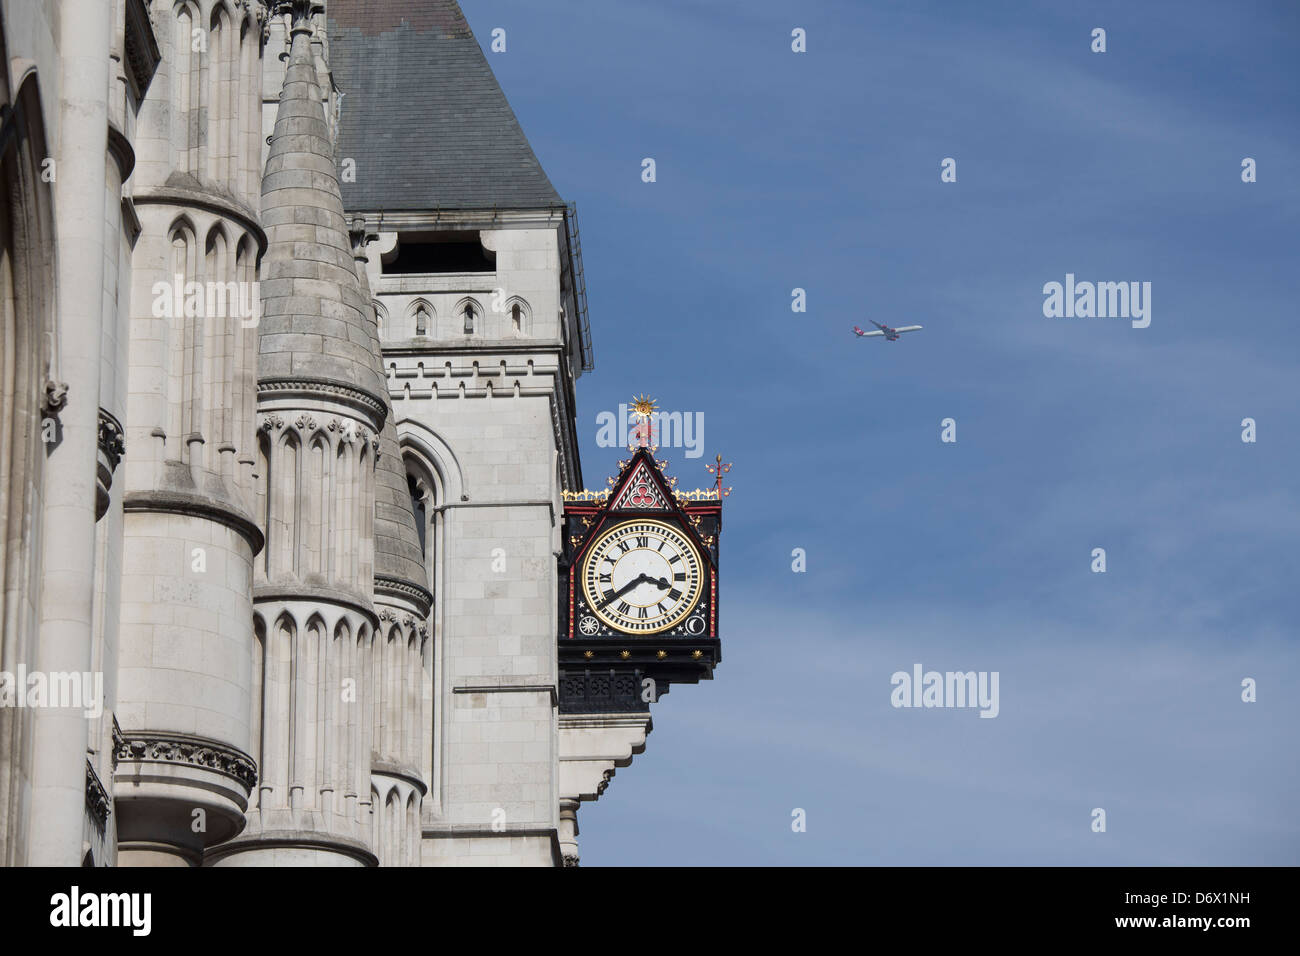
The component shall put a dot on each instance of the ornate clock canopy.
(638, 607)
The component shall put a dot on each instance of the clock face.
(642, 576)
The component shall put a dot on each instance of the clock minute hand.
(639, 579)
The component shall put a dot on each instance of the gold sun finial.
(643, 406)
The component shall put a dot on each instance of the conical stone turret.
(314, 327)
(321, 405)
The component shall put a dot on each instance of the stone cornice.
(147, 746)
(119, 147)
(552, 379)
(185, 503)
(408, 590)
(387, 769)
(282, 592)
(524, 217)
(277, 838)
(508, 689)
(203, 199)
(439, 347)
(372, 406)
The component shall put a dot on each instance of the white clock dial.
(642, 576)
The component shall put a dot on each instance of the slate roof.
(422, 113)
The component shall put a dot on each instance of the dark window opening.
(418, 506)
(446, 252)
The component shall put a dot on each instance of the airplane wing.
(909, 328)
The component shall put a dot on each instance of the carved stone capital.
(299, 11)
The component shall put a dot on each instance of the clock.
(642, 576)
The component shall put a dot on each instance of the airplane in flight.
(889, 334)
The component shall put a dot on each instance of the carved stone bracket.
(177, 748)
(111, 448)
(112, 438)
(56, 398)
(117, 741)
(98, 801)
(271, 421)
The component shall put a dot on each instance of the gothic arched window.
(419, 505)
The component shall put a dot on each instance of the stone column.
(569, 830)
(68, 584)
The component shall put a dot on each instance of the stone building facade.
(292, 321)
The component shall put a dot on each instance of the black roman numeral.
(643, 541)
(679, 576)
(674, 559)
(674, 594)
(642, 613)
(606, 578)
(624, 607)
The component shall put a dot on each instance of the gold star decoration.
(643, 406)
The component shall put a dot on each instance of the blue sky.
(820, 171)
